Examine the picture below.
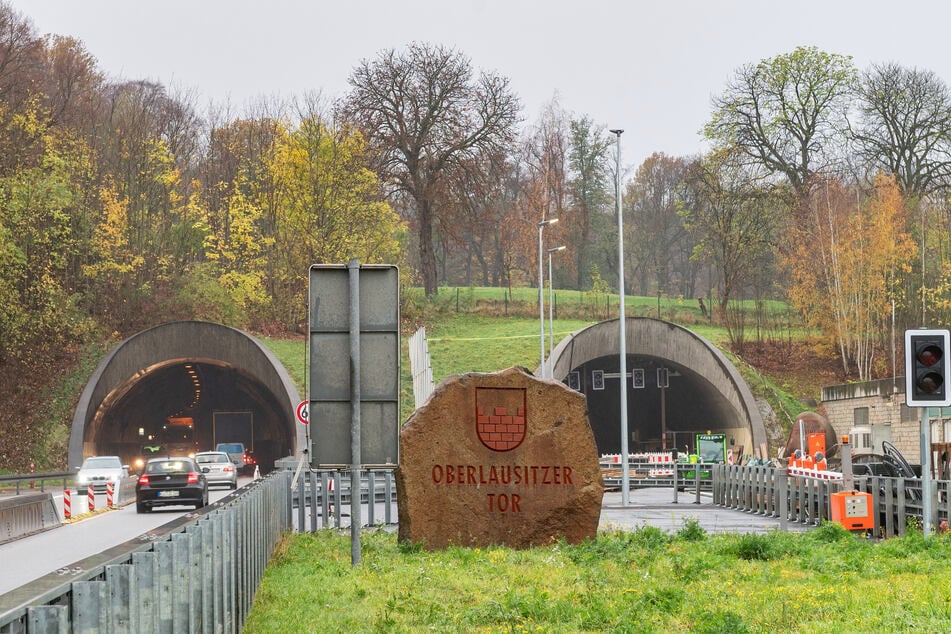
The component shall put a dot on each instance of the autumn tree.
(327, 207)
(732, 220)
(545, 187)
(424, 115)
(786, 113)
(846, 262)
(591, 189)
(661, 246)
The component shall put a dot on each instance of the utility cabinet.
(853, 510)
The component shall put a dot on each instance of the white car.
(100, 470)
(218, 468)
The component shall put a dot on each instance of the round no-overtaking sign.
(303, 412)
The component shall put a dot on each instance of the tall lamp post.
(622, 345)
(541, 293)
(551, 326)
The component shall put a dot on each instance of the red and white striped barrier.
(815, 474)
(660, 459)
(110, 494)
(658, 463)
(91, 499)
(67, 505)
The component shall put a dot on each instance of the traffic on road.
(86, 534)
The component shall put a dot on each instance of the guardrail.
(681, 476)
(321, 494)
(15, 482)
(22, 515)
(198, 573)
(774, 492)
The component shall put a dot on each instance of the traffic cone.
(257, 472)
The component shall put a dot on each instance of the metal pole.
(551, 303)
(541, 294)
(355, 520)
(551, 326)
(622, 321)
(663, 418)
(541, 301)
(926, 513)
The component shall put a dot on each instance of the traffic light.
(638, 378)
(926, 367)
(597, 379)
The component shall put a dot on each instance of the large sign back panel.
(329, 373)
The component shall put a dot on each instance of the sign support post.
(354, 373)
(353, 268)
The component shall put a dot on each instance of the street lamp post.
(622, 345)
(541, 292)
(551, 326)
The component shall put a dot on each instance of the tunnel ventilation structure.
(704, 392)
(180, 388)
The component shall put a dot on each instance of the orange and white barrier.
(91, 499)
(110, 493)
(657, 463)
(67, 505)
(815, 474)
(663, 465)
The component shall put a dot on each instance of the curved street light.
(622, 353)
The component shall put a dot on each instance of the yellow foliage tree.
(846, 261)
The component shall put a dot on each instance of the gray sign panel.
(329, 372)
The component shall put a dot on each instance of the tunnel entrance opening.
(171, 409)
(659, 418)
(168, 385)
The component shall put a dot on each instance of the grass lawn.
(825, 580)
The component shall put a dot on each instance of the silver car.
(100, 470)
(218, 468)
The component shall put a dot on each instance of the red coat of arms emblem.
(500, 417)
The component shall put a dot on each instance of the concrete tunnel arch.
(706, 392)
(144, 380)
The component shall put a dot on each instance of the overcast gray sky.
(647, 67)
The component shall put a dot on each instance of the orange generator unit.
(852, 509)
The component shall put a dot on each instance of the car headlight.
(81, 479)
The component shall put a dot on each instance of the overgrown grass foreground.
(826, 580)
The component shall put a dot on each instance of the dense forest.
(123, 205)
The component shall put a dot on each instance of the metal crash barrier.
(26, 514)
(198, 573)
(791, 497)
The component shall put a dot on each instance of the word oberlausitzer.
(502, 475)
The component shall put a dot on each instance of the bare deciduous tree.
(785, 113)
(425, 115)
(905, 127)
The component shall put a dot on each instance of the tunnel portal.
(180, 387)
(704, 392)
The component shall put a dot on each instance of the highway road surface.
(55, 550)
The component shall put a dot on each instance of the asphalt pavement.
(656, 507)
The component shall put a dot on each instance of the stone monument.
(499, 459)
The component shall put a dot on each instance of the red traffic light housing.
(926, 364)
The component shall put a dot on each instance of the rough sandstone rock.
(498, 459)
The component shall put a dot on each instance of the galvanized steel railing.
(321, 495)
(772, 492)
(200, 576)
(13, 483)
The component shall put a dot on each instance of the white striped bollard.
(110, 492)
(67, 509)
(91, 499)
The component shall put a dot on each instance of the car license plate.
(168, 494)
